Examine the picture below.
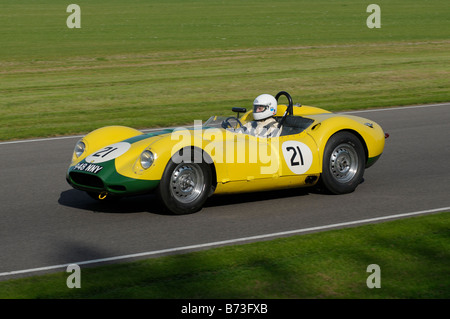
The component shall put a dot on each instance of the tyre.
(184, 187)
(343, 163)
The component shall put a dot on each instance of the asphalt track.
(46, 225)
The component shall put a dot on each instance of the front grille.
(88, 180)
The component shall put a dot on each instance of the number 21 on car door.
(299, 157)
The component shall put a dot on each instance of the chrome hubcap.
(344, 163)
(187, 182)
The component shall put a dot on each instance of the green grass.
(150, 64)
(413, 255)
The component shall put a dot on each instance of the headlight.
(79, 148)
(147, 159)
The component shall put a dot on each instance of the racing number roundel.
(298, 156)
(108, 153)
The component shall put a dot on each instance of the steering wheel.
(289, 109)
(226, 123)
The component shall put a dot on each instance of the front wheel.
(343, 163)
(184, 187)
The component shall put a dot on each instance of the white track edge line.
(224, 242)
(395, 108)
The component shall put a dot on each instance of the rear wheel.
(184, 187)
(343, 163)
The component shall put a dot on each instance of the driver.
(264, 125)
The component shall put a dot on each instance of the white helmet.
(264, 106)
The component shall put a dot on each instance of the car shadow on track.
(128, 205)
(149, 203)
(241, 198)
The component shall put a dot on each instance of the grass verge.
(413, 255)
(151, 64)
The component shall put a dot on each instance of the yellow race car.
(184, 166)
